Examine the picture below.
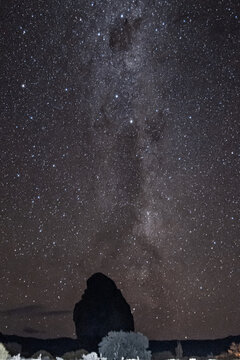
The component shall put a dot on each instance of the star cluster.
(120, 154)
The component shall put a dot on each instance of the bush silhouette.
(45, 355)
(74, 355)
(3, 352)
(129, 345)
(13, 348)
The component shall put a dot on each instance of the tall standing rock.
(101, 309)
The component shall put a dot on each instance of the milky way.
(121, 154)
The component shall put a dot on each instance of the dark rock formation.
(101, 309)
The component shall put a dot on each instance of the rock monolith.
(101, 309)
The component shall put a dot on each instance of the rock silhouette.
(101, 309)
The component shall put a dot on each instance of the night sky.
(120, 139)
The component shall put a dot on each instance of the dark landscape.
(57, 347)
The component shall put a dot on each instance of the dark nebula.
(120, 139)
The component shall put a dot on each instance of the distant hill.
(59, 346)
(30, 345)
(195, 347)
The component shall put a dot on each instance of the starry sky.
(120, 143)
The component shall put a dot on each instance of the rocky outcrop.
(101, 309)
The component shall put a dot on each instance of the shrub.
(232, 353)
(74, 355)
(91, 356)
(129, 345)
(179, 350)
(234, 350)
(45, 355)
(13, 348)
(3, 352)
